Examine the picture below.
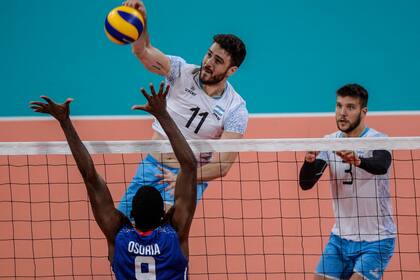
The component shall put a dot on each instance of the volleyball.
(124, 25)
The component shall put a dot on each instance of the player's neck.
(144, 233)
(216, 90)
(357, 132)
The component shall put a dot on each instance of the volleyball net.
(254, 223)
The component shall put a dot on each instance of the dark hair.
(147, 208)
(354, 90)
(233, 45)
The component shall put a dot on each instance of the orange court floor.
(254, 223)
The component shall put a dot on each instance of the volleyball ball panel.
(124, 25)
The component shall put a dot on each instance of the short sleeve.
(175, 72)
(237, 120)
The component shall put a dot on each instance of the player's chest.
(347, 175)
(192, 109)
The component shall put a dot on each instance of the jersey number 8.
(145, 268)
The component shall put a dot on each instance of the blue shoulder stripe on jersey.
(364, 132)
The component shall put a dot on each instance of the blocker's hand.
(60, 112)
(156, 103)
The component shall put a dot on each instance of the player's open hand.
(349, 157)
(167, 177)
(58, 111)
(156, 103)
(136, 4)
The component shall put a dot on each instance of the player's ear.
(232, 70)
(365, 110)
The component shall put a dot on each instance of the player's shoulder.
(167, 232)
(336, 134)
(125, 233)
(167, 228)
(234, 97)
(374, 133)
(177, 61)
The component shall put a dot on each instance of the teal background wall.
(299, 52)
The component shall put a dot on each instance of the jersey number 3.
(350, 180)
(194, 115)
(145, 268)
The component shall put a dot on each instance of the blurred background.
(299, 52)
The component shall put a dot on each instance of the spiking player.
(157, 246)
(202, 103)
(363, 237)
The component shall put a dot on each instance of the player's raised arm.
(106, 215)
(185, 190)
(152, 58)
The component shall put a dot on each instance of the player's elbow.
(224, 170)
(380, 171)
(306, 184)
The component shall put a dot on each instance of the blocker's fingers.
(152, 90)
(161, 87)
(37, 103)
(145, 94)
(46, 98)
(68, 101)
(139, 107)
(166, 90)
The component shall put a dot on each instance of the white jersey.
(196, 114)
(361, 201)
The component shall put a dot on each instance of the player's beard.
(213, 79)
(352, 126)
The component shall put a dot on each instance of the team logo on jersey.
(191, 90)
(218, 112)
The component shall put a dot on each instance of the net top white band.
(234, 145)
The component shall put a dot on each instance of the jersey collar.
(364, 132)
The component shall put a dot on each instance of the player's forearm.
(310, 173)
(378, 164)
(81, 155)
(182, 150)
(139, 46)
(218, 167)
(213, 170)
(100, 198)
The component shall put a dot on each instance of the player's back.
(155, 256)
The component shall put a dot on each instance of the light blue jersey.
(157, 256)
(361, 200)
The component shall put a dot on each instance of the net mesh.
(254, 223)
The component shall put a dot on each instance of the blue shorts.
(341, 258)
(146, 176)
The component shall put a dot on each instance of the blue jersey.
(157, 256)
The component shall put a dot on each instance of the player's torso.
(197, 115)
(349, 179)
(154, 257)
(361, 200)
